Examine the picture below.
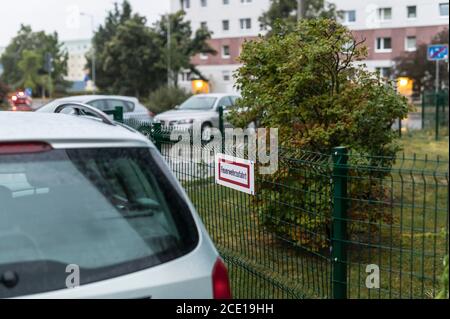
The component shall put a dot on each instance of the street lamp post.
(299, 10)
(91, 16)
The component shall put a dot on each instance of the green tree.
(183, 44)
(285, 12)
(103, 35)
(131, 59)
(415, 65)
(40, 43)
(29, 66)
(4, 89)
(307, 84)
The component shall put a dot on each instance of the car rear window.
(108, 211)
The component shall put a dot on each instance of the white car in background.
(132, 108)
(201, 108)
(90, 203)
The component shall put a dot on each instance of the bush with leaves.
(306, 83)
(166, 98)
(443, 294)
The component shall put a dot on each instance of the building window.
(204, 25)
(203, 3)
(203, 56)
(443, 9)
(384, 45)
(226, 2)
(410, 43)
(225, 51)
(225, 25)
(246, 24)
(385, 72)
(185, 76)
(385, 14)
(246, 1)
(187, 4)
(226, 75)
(411, 12)
(349, 16)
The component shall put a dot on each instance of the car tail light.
(220, 280)
(24, 147)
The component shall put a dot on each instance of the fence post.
(423, 110)
(436, 102)
(156, 135)
(339, 223)
(222, 127)
(118, 114)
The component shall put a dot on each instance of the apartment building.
(388, 27)
(231, 23)
(392, 27)
(76, 64)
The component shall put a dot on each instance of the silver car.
(90, 204)
(132, 108)
(202, 108)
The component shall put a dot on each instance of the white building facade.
(389, 27)
(76, 64)
(231, 23)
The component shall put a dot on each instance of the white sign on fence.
(235, 173)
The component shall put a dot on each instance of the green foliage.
(443, 294)
(29, 48)
(285, 12)
(4, 89)
(130, 59)
(166, 98)
(183, 44)
(306, 83)
(416, 65)
(133, 58)
(127, 54)
(29, 67)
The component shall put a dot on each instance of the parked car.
(90, 201)
(202, 108)
(132, 108)
(20, 102)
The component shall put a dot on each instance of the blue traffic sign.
(28, 92)
(437, 52)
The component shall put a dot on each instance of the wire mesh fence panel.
(283, 242)
(435, 113)
(397, 226)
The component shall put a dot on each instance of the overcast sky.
(63, 15)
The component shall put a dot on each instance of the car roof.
(85, 98)
(218, 95)
(66, 131)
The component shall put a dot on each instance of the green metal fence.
(324, 225)
(435, 113)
